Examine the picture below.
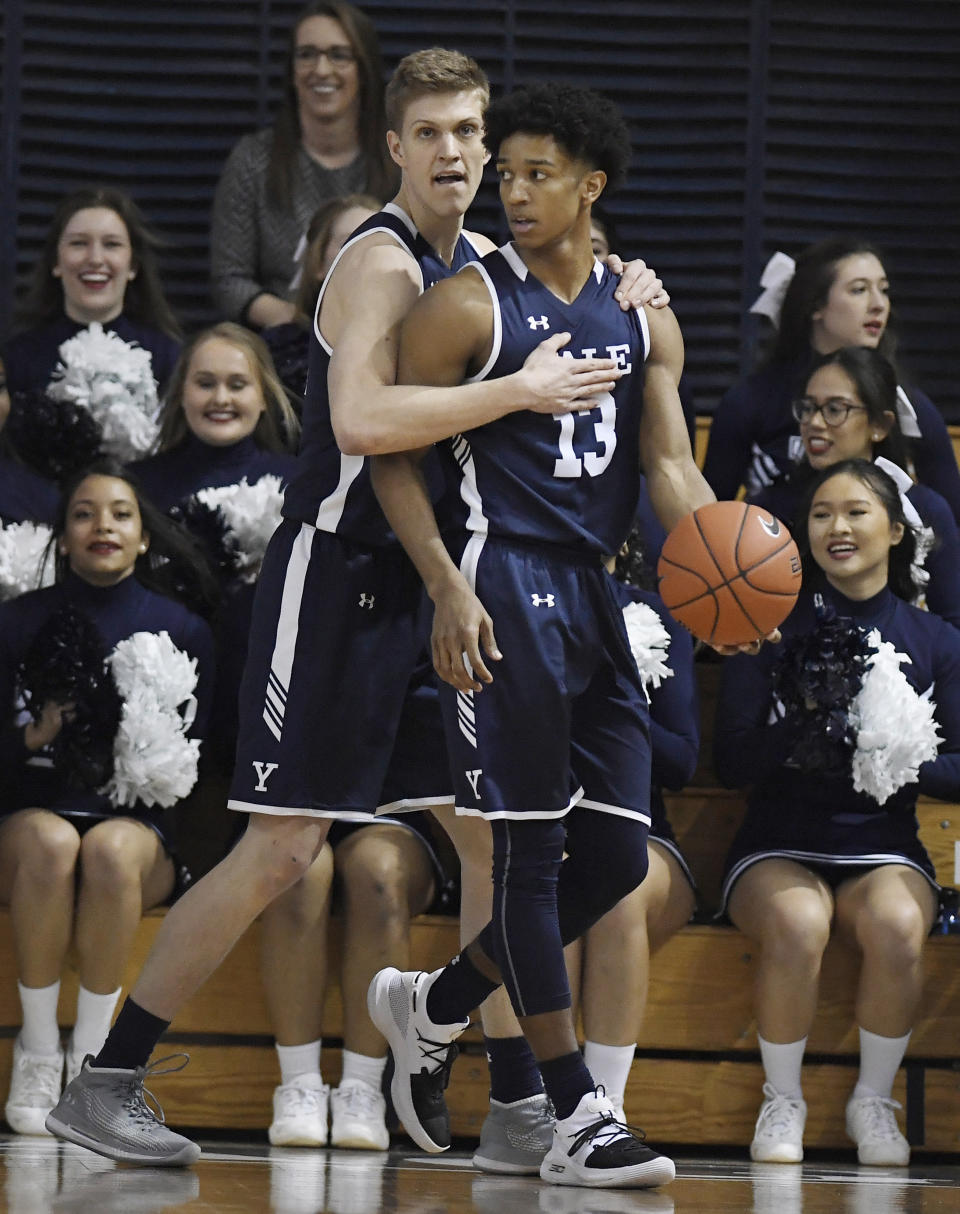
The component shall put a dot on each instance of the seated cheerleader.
(836, 730)
(92, 760)
(98, 267)
(848, 410)
(226, 420)
(610, 966)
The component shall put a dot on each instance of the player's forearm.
(403, 417)
(676, 488)
(405, 500)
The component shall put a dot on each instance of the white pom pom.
(896, 729)
(113, 379)
(649, 642)
(252, 513)
(26, 563)
(154, 762)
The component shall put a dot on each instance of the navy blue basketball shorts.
(565, 721)
(334, 705)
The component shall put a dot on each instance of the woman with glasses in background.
(328, 140)
(848, 410)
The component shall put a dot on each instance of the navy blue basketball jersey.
(570, 479)
(330, 490)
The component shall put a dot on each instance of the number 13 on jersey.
(604, 440)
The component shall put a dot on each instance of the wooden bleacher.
(696, 1079)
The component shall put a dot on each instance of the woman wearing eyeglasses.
(848, 410)
(836, 294)
(328, 140)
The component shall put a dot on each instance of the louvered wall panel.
(862, 128)
(755, 125)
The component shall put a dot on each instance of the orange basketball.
(729, 572)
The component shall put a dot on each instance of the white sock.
(40, 1033)
(300, 1062)
(363, 1067)
(782, 1064)
(880, 1059)
(94, 1014)
(609, 1066)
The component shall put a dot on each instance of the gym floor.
(39, 1175)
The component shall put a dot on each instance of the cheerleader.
(97, 266)
(838, 730)
(91, 762)
(835, 294)
(225, 419)
(610, 966)
(848, 410)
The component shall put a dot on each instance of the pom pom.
(251, 513)
(896, 729)
(113, 379)
(649, 642)
(154, 762)
(52, 437)
(815, 679)
(66, 663)
(26, 562)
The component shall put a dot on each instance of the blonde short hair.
(434, 70)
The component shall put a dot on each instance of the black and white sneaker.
(592, 1149)
(423, 1053)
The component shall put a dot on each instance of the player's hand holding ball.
(730, 573)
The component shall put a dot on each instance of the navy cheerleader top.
(172, 476)
(117, 612)
(25, 496)
(31, 356)
(752, 746)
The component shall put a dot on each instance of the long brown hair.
(143, 300)
(381, 173)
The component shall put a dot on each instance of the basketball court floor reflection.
(40, 1176)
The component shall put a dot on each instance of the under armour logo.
(264, 771)
(474, 778)
(542, 323)
(542, 600)
(366, 600)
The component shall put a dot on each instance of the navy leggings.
(542, 902)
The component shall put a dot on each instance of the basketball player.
(337, 620)
(554, 747)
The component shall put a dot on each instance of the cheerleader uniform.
(754, 440)
(169, 478)
(117, 612)
(31, 356)
(816, 817)
(942, 562)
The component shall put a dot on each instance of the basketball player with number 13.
(553, 749)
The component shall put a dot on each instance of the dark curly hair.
(585, 124)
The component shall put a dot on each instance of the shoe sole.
(503, 1167)
(781, 1154)
(399, 1091)
(356, 1143)
(187, 1155)
(639, 1176)
(301, 1140)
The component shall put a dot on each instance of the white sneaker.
(35, 1087)
(423, 1053)
(594, 1150)
(299, 1116)
(778, 1137)
(358, 1117)
(872, 1124)
(73, 1063)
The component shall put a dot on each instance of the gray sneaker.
(515, 1137)
(105, 1111)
